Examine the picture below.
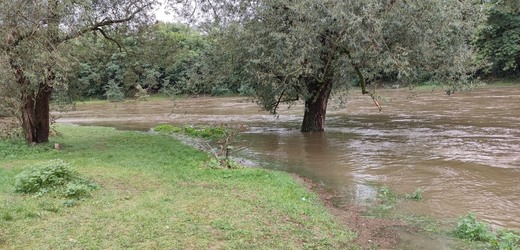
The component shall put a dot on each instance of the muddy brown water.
(463, 150)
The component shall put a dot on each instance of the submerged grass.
(155, 193)
(468, 233)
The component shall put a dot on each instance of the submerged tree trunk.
(319, 89)
(316, 108)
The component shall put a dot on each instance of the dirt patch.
(372, 232)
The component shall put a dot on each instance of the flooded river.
(463, 150)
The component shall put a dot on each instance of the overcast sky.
(162, 15)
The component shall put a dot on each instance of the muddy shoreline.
(372, 232)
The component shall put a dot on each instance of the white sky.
(162, 13)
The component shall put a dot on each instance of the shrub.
(469, 228)
(56, 177)
(51, 174)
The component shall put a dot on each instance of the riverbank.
(156, 193)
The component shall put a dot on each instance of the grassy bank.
(155, 193)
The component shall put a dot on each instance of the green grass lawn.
(156, 193)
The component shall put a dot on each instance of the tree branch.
(362, 82)
(14, 39)
(277, 103)
(105, 22)
(104, 34)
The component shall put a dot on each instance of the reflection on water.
(463, 150)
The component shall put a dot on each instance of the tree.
(498, 40)
(34, 36)
(303, 50)
(155, 58)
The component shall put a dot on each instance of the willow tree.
(304, 50)
(33, 40)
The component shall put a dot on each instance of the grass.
(212, 133)
(155, 193)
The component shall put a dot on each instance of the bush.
(53, 177)
(469, 228)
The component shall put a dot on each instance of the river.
(463, 150)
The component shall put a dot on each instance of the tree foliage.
(302, 50)
(154, 59)
(498, 40)
(35, 43)
(9, 95)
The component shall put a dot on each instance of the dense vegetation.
(498, 41)
(156, 59)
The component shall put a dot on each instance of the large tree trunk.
(316, 108)
(316, 103)
(35, 115)
(48, 31)
(34, 106)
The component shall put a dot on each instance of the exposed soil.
(372, 232)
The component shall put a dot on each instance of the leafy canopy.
(498, 39)
(285, 50)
